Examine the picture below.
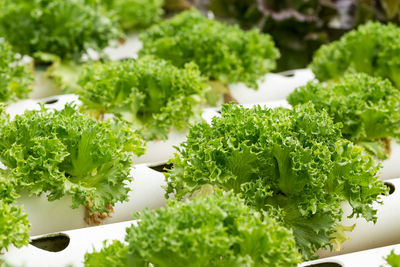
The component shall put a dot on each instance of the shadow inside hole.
(219, 111)
(325, 264)
(53, 243)
(162, 167)
(51, 101)
(287, 73)
(391, 187)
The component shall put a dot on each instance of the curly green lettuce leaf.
(393, 259)
(294, 160)
(219, 230)
(372, 49)
(66, 29)
(222, 52)
(8, 188)
(368, 108)
(298, 27)
(65, 75)
(114, 254)
(59, 153)
(135, 14)
(152, 95)
(15, 79)
(14, 226)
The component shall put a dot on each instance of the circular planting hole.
(325, 264)
(287, 73)
(391, 187)
(51, 101)
(162, 167)
(52, 243)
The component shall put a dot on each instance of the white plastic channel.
(367, 258)
(80, 242)
(89, 239)
(54, 216)
(367, 235)
(274, 86)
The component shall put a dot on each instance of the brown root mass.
(96, 218)
(388, 148)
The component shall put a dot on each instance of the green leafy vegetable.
(115, 254)
(14, 226)
(66, 153)
(15, 79)
(216, 231)
(393, 259)
(373, 49)
(368, 108)
(222, 52)
(65, 74)
(299, 27)
(151, 94)
(136, 14)
(294, 160)
(66, 29)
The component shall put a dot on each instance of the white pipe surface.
(367, 258)
(273, 86)
(391, 167)
(54, 216)
(81, 241)
(367, 235)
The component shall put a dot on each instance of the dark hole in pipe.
(391, 187)
(219, 111)
(51, 101)
(287, 73)
(162, 167)
(325, 264)
(53, 243)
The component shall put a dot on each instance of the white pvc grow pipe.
(367, 235)
(367, 258)
(128, 49)
(78, 242)
(274, 86)
(53, 216)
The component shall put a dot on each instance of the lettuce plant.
(299, 27)
(59, 153)
(368, 108)
(14, 226)
(15, 79)
(47, 29)
(223, 53)
(151, 94)
(393, 259)
(373, 48)
(135, 14)
(293, 160)
(219, 230)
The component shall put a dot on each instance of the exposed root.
(179, 5)
(121, 41)
(96, 218)
(388, 147)
(229, 98)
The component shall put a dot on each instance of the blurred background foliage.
(299, 27)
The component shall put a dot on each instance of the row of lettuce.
(292, 168)
(289, 169)
(67, 29)
(298, 29)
